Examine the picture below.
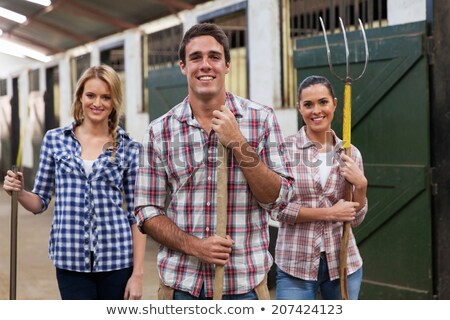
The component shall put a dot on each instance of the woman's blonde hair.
(110, 77)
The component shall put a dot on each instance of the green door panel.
(166, 88)
(391, 187)
(390, 126)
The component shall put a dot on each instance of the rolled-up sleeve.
(129, 176)
(44, 184)
(361, 214)
(274, 154)
(151, 182)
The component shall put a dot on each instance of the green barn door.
(390, 125)
(166, 88)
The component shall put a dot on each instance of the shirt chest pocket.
(186, 160)
(111, 171)
(65, 163)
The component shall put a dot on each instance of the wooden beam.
(90, 12)
(177, 5)
(79, 37)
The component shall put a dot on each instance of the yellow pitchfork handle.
(221, 227)
(346, 134)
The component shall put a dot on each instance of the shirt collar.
(70, 129)
(183, 112)
(303, 142)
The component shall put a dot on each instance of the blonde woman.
(90, 166)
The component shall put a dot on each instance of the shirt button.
(209, 178)
(207, 229)
(208, 204)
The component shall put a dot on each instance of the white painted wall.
(136, 119)
(288, 120)
(13, 65)
(65, 91)
(264, 52)
(405, 11)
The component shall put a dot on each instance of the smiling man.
(176, 186)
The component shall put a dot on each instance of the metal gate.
(390, 125)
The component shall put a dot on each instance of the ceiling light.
(11, 15)
(21, 51)
(44, 3)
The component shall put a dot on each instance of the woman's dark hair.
(312, 80)
(204, 29)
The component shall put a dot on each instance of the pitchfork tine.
(366, 47)
(328, 50)
(348, 77)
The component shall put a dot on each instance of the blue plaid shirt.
(84, 203)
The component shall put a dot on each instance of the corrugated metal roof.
(70, 23)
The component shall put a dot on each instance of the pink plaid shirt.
(298, 245)
(180, 158)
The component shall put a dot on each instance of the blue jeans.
(292, 288)
(93, 285)
(182, 295)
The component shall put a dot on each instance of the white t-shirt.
(325, 167)
(324, 170)
(87, 164)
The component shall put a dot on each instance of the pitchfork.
(346, 137)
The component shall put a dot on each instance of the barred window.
(305, 15)
(163, 47)
(114, 58)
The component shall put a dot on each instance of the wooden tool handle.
(346, 137)
(221, 227)
(13, 248)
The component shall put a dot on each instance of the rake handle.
(13, 247)
(221, 227)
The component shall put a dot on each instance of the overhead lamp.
(17, 50)
(13, 16)
(44, 3)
